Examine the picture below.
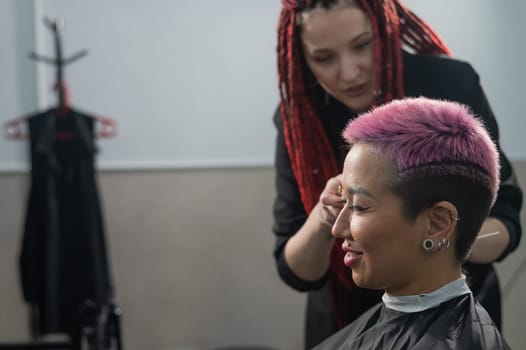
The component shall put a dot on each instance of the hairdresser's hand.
(491, 242)
(308, 251)
(332, 201)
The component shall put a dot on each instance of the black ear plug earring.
(428, 244)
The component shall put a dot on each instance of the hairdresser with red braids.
(336, 59)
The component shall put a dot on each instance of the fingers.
(329, 215)
(332, 194)
(332, 200)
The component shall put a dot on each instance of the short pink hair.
(422, 136)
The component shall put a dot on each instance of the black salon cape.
(424, 75)
(63, 258)
(460, 323)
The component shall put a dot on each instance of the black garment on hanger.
(63, 260)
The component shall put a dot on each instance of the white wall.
(190, 81)
(18, 90)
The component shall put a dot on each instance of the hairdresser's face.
(339, 49)
(383, 247)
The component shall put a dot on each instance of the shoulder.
(435, 62)
(352, 335)
(278, 122)
(483, 333)
(439, 77)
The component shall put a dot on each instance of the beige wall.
(191, 254)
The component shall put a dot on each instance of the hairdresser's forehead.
(328, 4)
(321, 26)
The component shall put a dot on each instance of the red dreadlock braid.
(388, 57)
(418, 35)
(310, 151)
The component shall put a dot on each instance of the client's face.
(382, 247)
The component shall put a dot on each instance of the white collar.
(417, 303)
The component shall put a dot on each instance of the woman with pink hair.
(418, 181)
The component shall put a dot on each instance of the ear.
(442, 220)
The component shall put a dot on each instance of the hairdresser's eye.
(323, 58)
(363, 44)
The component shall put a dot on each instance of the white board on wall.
(190, 83)
(193, 83)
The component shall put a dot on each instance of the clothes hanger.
(16, 129)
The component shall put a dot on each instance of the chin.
(360, 105)
(362, 282)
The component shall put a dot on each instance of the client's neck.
(426, 282)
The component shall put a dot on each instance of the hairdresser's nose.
(349, 69)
